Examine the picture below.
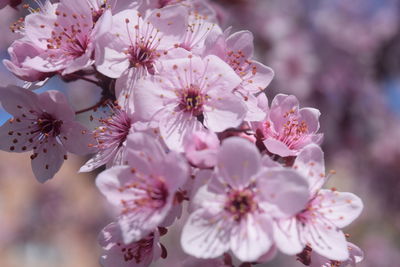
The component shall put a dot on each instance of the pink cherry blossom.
(110, 139)
(20, 51)
(67, 34)
(327, 211)
(137, 41)
(143, 191)
(43, 123)
(189, 94)
(201, 148)
(288, 128)
(235, 210)
(140, 253)
(237, 50)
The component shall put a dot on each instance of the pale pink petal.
(311, 117)
(277, 147)
(145, 146)
(341, 208)
(249, 239)
(287, 236)
(221, 77)
(13, 137)
(175, 126)
(76, 138)
(254, 112)
(149, 98)
(235, 168)
(279, 106)
(176, 171)
(258, 77)
(171, 22)
(327, 241)
(110, 181)
(310, 163)
(284, 188)
(50, 157)
(223, 111)
(241, 41)
(205, 235)
(79, 63)
(56, 104)
(17, 101)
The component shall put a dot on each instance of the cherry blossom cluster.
(186, 128)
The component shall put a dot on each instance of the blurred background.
(340, 56)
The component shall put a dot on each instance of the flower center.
(240, 203)
(70, 35)
(293, 131)
(150, 194)
(48, 125)
(139, 250)
(113, 131)
(142, 56)
(192, 101)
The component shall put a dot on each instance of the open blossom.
(20, 51)
(110, 140)
(201, 148)
(43, 123)
(189, 94)
(139, 253)
(143, 190)
(288, 128)
(137, 42)
(235, 210)
(67, 33)
(327, 211)
(237, 50)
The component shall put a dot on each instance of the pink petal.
(238, 162)
(176, 171)
(279, 106)
(14, 97)
(277, 147)
(241, 41)
(251, 238)
(223, 111)
(149, 98)
(110, 181)
(205, 235)
(56, 104)
(76, 138)
(12, 141)
(311, 118)
(310, 163)
(175, 126)
(340, 208)
(287, 237)
(50, 157)
(171, 22)
(221, 77)
(327, 241)
(258, 77)
(284, 188)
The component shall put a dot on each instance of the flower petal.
(238, 160)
